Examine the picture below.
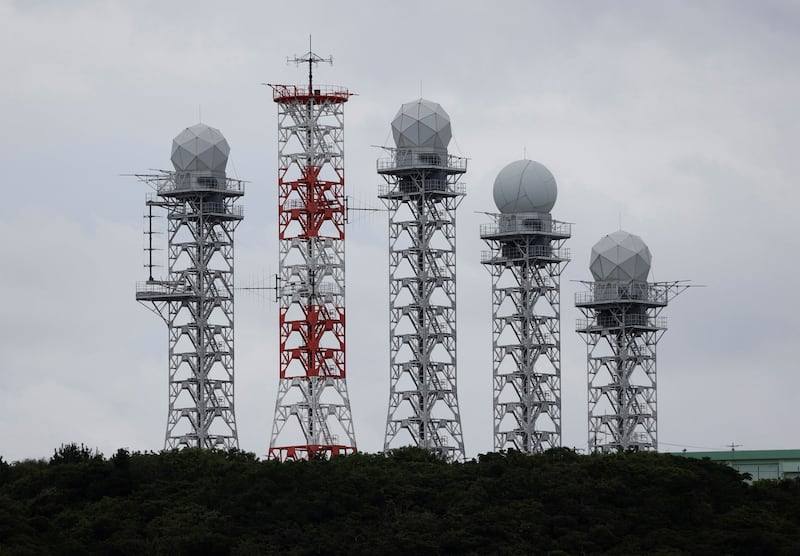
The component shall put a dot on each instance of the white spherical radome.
(620, 257)
(525, 186)
(200, 148)
(421, 124)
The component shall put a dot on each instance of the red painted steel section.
(302, 94)
(318, 325)
(310, 203)
(311, 208)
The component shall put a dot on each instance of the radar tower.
(195, 300)
(526, 258)
(421, 193)
(622, 325)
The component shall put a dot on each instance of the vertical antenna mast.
(311, 59)
(312, 410)
(150, 233)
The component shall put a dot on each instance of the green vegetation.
(404, 502)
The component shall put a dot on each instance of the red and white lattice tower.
(312, 411)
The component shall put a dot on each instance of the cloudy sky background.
(677, 120)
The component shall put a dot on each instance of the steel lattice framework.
(196, 302)
(526, 258)
(421, 194)
(622, 326)
(312, 411)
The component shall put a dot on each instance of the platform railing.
(287, 91)
(299, 204)
(428, 186)
(532, 252)
(406, 158)
(622, 321)
(174, 182)
(162, 287)
(209, 208)
(508, 225)
(621, 291)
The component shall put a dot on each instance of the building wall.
(760, 464)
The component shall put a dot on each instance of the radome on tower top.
(621, 257)
(200, 148)
(525, 186)
(421, 124)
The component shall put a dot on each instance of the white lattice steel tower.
(526, 258)
(312, 410)
(622, 326)
(422, 193)
(196, 297)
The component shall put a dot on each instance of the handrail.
(406, 158)
(163, 287)
(621, 321)
(428, 186)
(622, 291)
(506, 225)
(172, 182)
(304, 289)
(532, 252)
(541, 340)
(296, 204)
(284, 91)
(210, 208)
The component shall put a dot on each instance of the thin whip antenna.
(460, 152)
(311, 59)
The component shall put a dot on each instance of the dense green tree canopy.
(405, 502)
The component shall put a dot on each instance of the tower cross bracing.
(195, 300)
(312, 409)
(525, 259)
(422, 193)
(622, 325)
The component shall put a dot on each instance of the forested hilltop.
(403, 502)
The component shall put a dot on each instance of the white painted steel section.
(622, 325)
(195, 300)
(526, 259)
(422, 194)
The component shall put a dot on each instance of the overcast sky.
(677, 121)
